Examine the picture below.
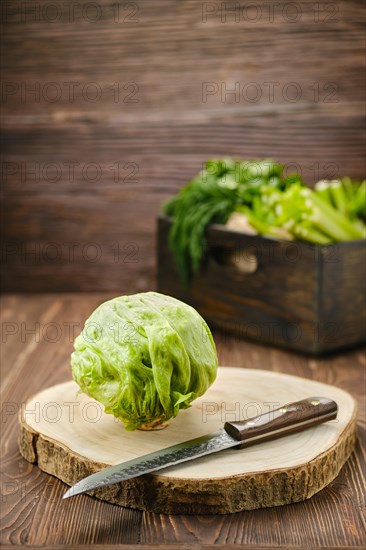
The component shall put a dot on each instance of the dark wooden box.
(304, 297)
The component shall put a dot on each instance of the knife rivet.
(315, 402)
(283, 409)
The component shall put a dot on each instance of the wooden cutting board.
(69, 436)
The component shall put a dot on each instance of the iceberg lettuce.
(144, 357)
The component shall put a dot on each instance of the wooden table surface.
(37, 335)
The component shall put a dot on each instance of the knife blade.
(280, 422)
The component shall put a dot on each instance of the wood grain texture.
(148, 89)
(271, 474)
(332, 518)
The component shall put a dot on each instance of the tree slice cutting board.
(70, 437)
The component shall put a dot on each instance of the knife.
(285, 420)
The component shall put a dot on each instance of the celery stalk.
(253, 220)
(310, 234)
(339, 196)
(322, 190)
(329, 220)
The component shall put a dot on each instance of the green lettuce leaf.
(144, 357)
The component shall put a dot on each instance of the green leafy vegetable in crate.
(271, 204)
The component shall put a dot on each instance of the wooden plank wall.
(108, 108)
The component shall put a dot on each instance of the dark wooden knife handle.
(285, 420)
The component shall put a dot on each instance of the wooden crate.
(295, 295)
